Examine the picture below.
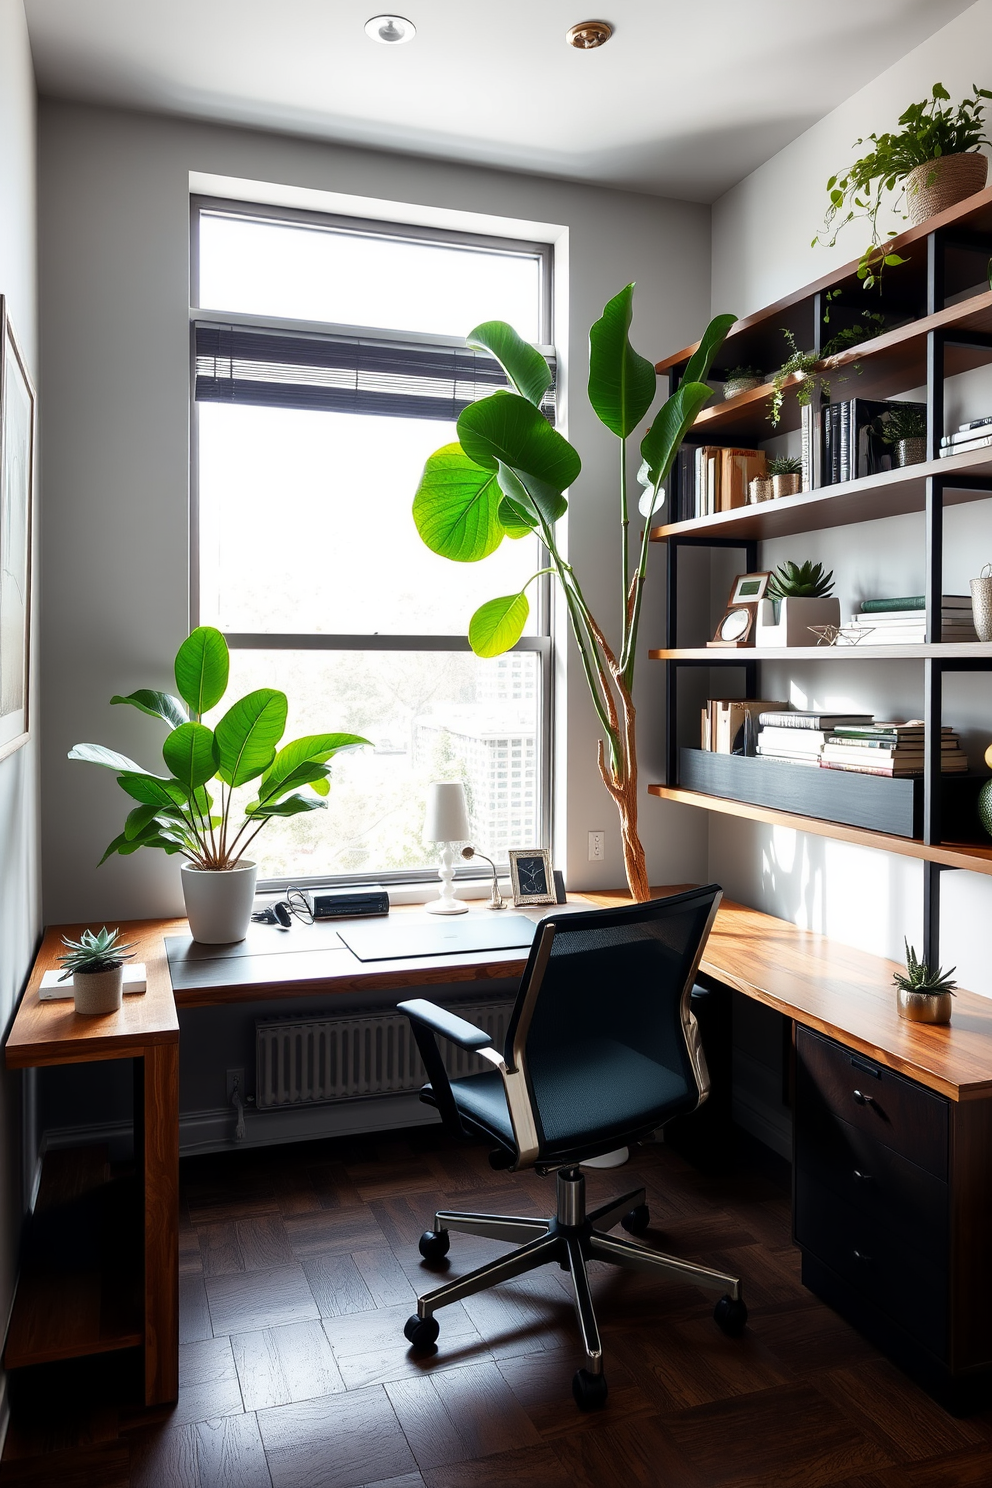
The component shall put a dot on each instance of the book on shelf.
(982, 441)
(894, 771)
(797, 718)
(966, 433)
(801, 741)
(852, 445)
(738, 468)
(811, 451)
(722, 720)
(790, 759)
(948, 602)
(713, 478)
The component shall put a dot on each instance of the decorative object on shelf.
(985, 798)
(840, 635)
(741, 380)
(507, 477)
(930, 163)
(736, 627)
(95, 962)
(905, 428)
(799, 598)
(496, 900)
(176, 813)
(446, 822)
(903, 622)
(981, 603)
(924, 993)
(786, 473)
(531, 875)
(724, 723)
(17, 424)
(760, 489)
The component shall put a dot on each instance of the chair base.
(571, 1237)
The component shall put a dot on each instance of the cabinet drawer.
(882, 1186)
(908, 1284)
(833, 1081)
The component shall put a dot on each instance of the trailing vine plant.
(807, 365)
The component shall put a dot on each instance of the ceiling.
(683, 101)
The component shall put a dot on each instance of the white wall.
(115, 246)
(761, 251)
(20, 917)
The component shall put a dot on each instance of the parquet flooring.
(299, 1266)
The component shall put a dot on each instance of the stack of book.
(799, 737)
(903, 622)
(976, 435)
(894, 749)
(851, 444)
(711, 479)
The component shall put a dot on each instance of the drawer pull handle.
(862, 1177)
(859, 1255)
(862, 1099)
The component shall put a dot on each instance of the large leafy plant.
(506, 477)
(927, 132)
(191, 810)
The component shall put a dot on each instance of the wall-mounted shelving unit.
(941, 326)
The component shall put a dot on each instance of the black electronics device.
(346, 903)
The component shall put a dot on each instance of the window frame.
(541, 643)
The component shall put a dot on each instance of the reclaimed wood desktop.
(821, 985)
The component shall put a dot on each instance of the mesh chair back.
(602, 1027)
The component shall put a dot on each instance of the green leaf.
(152, 790)
(157, 704)
(302, 762)
(516, 522)
(247, 735)
(621, 382)
(292, 806)
(121, 844)
(202, 668)
(511, 430)
(191, 755)
(498, 624)
(529, 494)
(891, 260)
(138, 820)
(523, 364)
(455, 508)
(673, 421)
(321, 786)
(702, 358)
(98, 754)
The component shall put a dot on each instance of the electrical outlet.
(235, 1077)
(597, 847)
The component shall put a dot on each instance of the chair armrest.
(448, 1025)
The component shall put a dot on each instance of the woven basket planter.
(939, 184)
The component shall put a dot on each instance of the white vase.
(95, 992)
(219, 901)
(790, 627)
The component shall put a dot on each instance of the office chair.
(601, 1050)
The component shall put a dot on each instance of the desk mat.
(401, 939)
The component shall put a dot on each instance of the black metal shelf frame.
(934, 668)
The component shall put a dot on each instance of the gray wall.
(114, 264)
(20, 912)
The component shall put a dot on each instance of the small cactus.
(800, 581)
(919, 977)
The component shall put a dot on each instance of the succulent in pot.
(799, 596)
(741, 380)
(192, 810)
(924, 992)
(95, 962)
(786, 472)
(906, 430)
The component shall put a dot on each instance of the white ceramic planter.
(96, 992)
(218, 902)
(795, 616)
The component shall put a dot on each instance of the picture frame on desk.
(532, 877)
(17, 437)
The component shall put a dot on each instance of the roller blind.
(343, 374)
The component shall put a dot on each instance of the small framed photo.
(532, 876)
(748, 589)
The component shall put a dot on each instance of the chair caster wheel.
(421, 1332)
(637, 1221)
(434, 1246)
(589, 1390)
(731, 1316)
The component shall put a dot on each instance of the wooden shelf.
(951, 855)
(722, 656)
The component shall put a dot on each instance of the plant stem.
(624, 551)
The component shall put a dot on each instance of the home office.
(175, 269)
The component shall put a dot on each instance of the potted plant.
(506, 477)
(931, 162)
(906, 430)
(96, 964)
(925, 993)
(799, 597)
(808, 367)
(180, 813)
(786, 472)
(741, 380)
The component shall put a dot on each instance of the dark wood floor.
(300, 1266)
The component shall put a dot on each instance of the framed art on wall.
(531, 875)
(17, 421)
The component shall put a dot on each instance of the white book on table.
(52, 990)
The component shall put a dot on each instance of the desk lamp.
(496, 900)
(447, 822)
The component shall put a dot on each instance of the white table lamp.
(447, 822)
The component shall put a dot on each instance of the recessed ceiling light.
(589, 34)
(390, 29)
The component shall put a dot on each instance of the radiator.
(307, 1061)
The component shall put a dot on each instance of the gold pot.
(938, 184)
(786, 485)
(924, 1007)
(911, 451)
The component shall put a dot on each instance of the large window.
(329, 363)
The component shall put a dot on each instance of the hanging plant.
(806, 364)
